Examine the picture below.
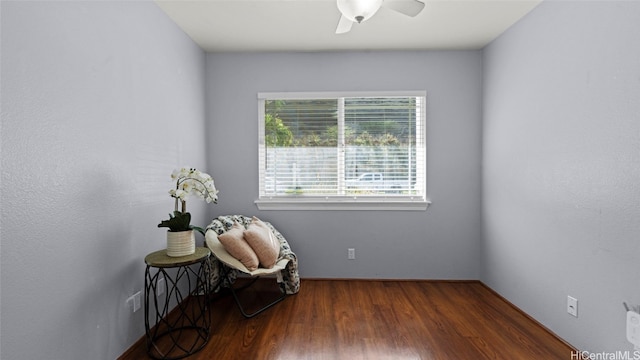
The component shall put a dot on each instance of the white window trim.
(396, 203)
(282, 203)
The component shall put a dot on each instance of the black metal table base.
(183, 331)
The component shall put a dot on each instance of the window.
(345, 151)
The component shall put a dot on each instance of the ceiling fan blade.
(344, 25)
(406, 7)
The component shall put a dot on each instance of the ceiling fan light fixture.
(358, 10)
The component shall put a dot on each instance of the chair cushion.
(235, 244)
(263, 242)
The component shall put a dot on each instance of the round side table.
(184, 330)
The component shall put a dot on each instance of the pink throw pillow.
(263, 242)
(235, 244)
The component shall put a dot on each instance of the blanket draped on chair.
(290, 276)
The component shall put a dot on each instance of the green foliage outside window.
(276, 132)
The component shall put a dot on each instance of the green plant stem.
(184, 205)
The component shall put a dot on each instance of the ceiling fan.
(357, 11)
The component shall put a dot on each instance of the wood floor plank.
(367, 319)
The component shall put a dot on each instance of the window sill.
(385, 204)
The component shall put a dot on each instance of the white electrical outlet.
(351, 253)
(160, 287)
(134, 302)
(633, 328)
(572, 306)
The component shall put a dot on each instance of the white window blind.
(331, 150)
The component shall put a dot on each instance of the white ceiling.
(309, 25)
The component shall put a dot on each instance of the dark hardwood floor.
(354, 319)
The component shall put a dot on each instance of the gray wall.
(100, 101)
(561, 164)
(440, 243)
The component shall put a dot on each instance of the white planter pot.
(181, 243)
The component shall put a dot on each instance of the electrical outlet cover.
(160, 286)
(136, 301)
(633, 327)
(572, 306)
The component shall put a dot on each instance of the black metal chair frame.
(226, 275)
(227, 263)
